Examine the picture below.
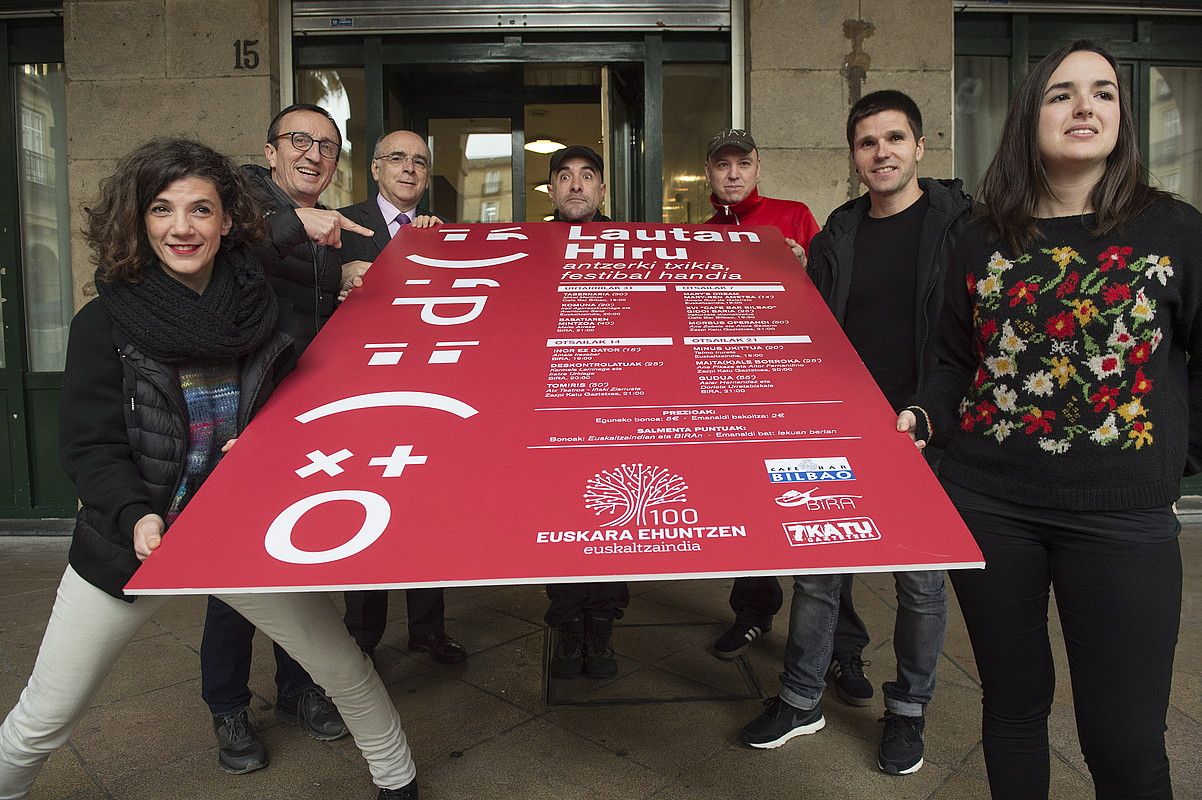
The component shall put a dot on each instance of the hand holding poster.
(555, 402)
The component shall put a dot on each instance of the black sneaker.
(406, 792)
(779, 723)
(315, 713)
(737, 639)
(901, 744)
(238, 749)
(599, 660)
(568, 659)
(847, 673)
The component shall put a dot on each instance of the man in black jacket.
(400, 165)
(302, 150)
(583, 614)
(881, 257)
(303, 147)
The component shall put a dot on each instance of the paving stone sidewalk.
(480, 729)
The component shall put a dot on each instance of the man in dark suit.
(400, 166)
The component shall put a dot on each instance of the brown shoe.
(442, 648)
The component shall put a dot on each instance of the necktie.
(402, 219)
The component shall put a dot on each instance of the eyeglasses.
(303, 141)
(419, 163)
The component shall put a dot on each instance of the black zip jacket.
(307, 280)
(832, 254)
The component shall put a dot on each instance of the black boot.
(569, 649)
(599, 660)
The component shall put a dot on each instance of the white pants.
(88, 629)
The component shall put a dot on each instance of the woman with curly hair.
(164, 369)
(1069, 392)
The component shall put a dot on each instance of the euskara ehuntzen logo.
(629, 490)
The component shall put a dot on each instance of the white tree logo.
(629, 490)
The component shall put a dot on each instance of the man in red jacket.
(732, 165)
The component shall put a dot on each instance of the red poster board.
(547, 402)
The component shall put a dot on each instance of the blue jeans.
(917, 639)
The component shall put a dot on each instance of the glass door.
(36, 282)
(1175, 130)
(472, 176)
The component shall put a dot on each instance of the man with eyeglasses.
(302, 150)
(400, 166)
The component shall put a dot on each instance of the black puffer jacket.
(306, 281)
(123, 433)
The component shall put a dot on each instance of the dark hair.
(116, 227)
(273, 130)
(1016, 179)
(884, 100)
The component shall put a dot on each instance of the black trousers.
(755, 600)
(597, 600)
(225, 652)
(1119, 603)
(367, 615)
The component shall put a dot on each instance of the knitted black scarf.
(171, 323)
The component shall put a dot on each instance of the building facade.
(645, 82)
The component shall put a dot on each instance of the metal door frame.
(651, 50)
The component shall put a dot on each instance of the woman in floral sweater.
(1069, 395)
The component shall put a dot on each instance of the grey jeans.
(917, 639)
(88, 629)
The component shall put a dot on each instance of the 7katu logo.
(831, 531)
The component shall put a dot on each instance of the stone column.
(137, 69)
(809, 60)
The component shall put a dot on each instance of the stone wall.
(802, 60)
(136, 69)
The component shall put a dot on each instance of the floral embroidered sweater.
(1070, 376)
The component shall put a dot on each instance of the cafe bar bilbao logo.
(831, 531)
(808, 470)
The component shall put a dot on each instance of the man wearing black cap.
(577, 184)
(582, 613)
(732, 165)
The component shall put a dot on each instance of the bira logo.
(817, 502)
(808, 470)
(628, 491)
(831, 531)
